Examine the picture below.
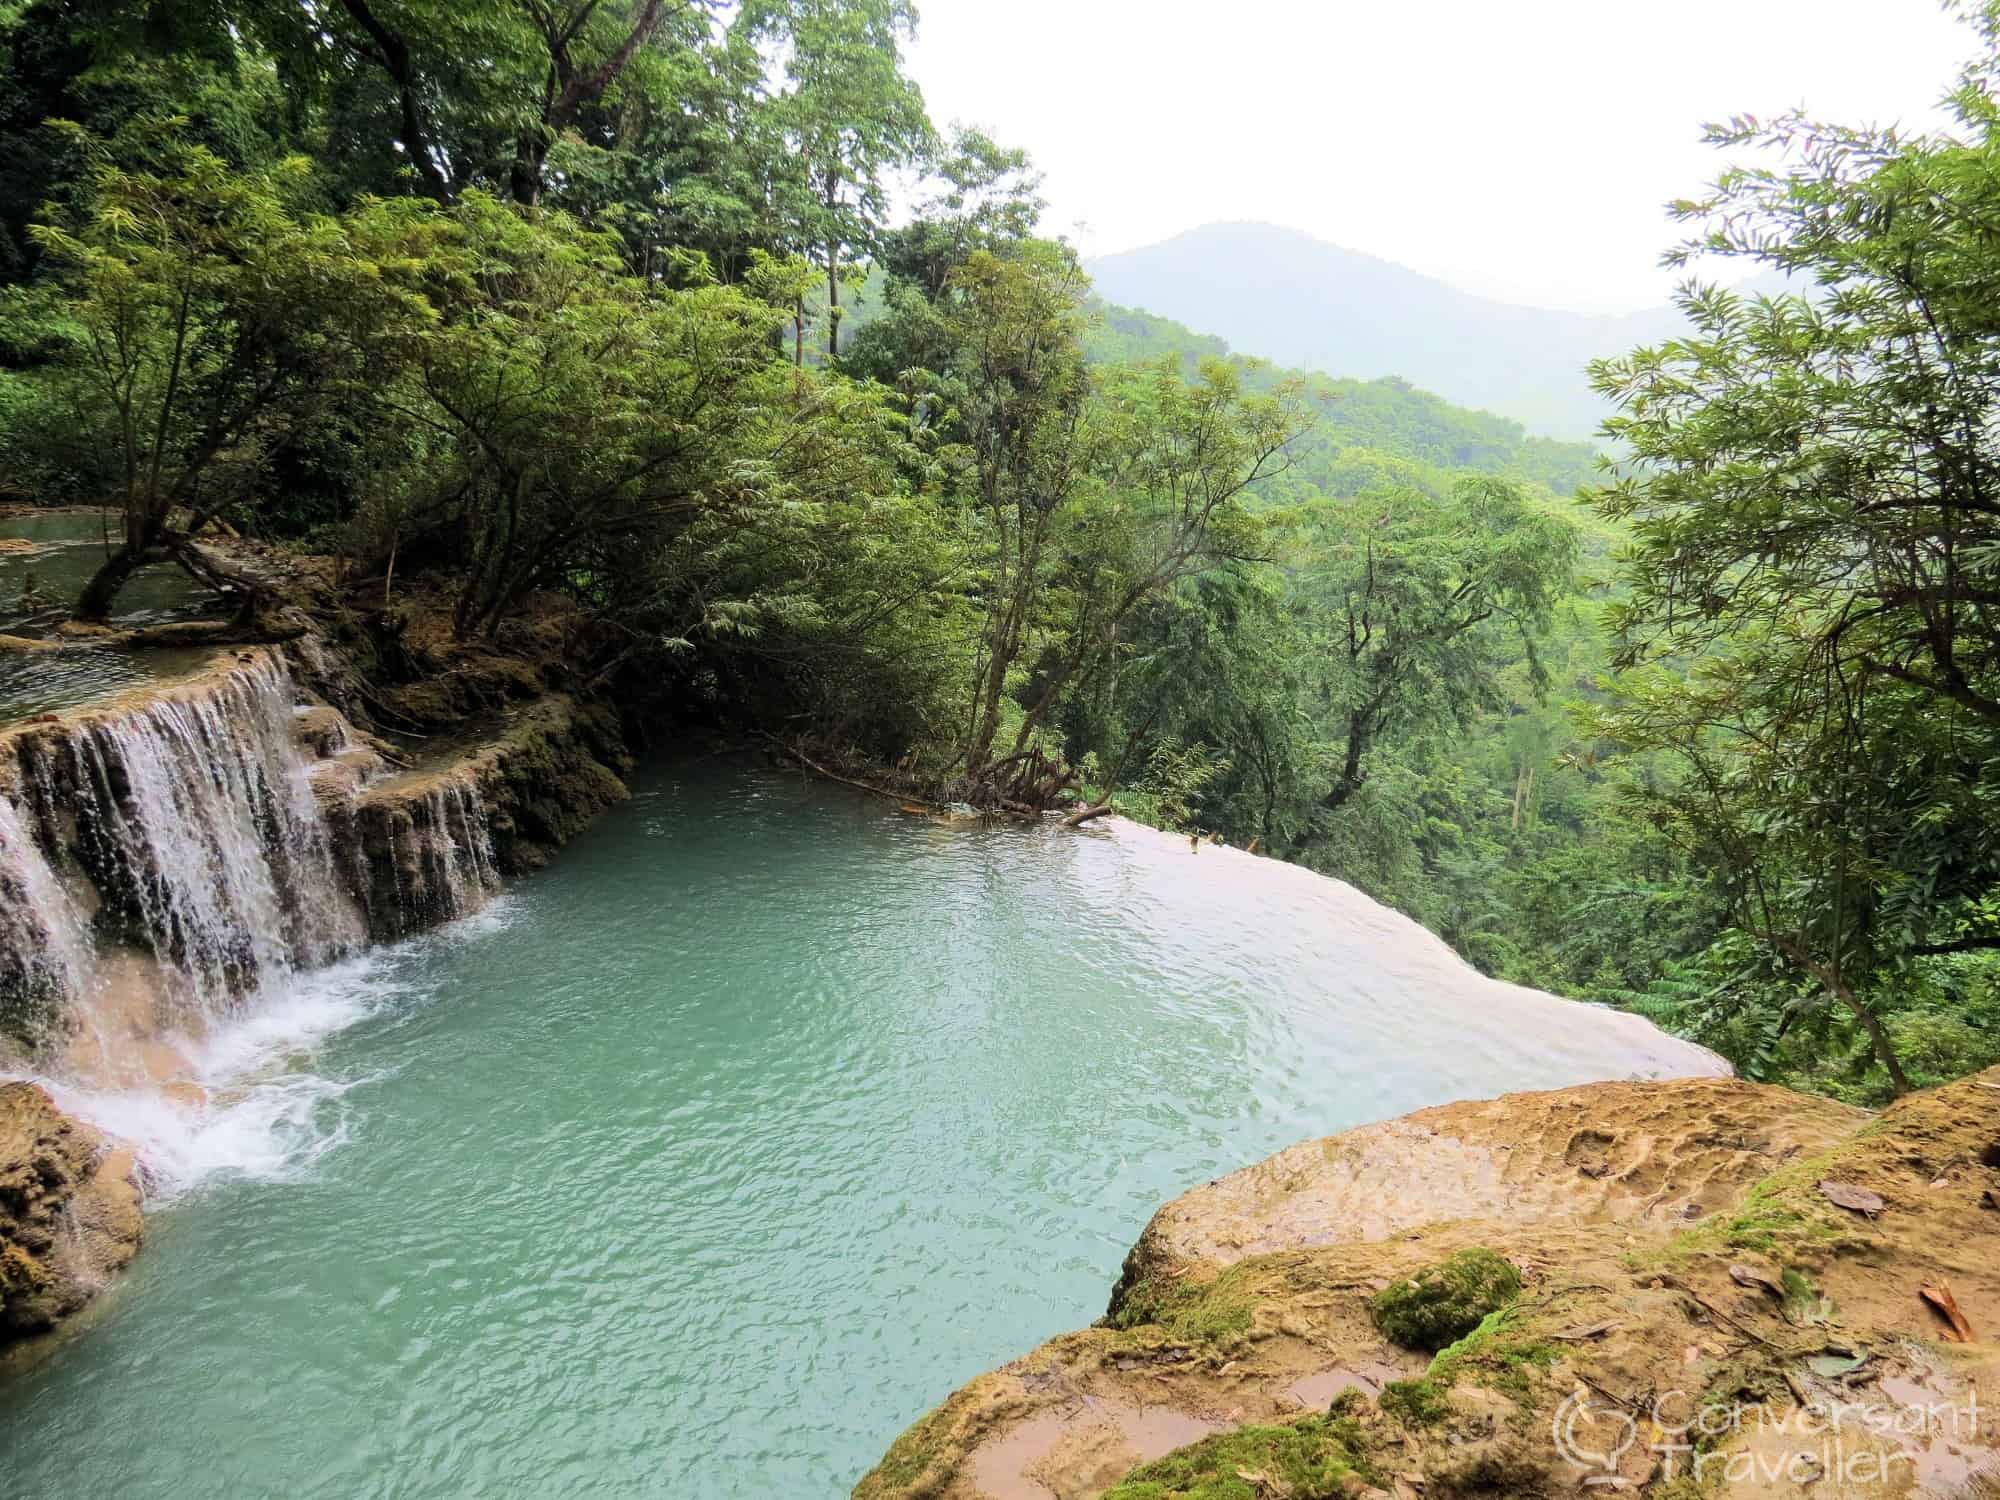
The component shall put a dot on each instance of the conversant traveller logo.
(1857, 1444)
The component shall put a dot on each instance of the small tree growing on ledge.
(207, 316)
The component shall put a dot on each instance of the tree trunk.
(524, 179)
(832, 302)
(388, 51)
(144, 532)
(1351, 775)
(1878, 1034)
(94, 604)
(224, 577)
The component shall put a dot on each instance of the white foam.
(204, 802)
(270, 1109)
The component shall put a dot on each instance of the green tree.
(1815, 501)
(849, 117)
(1025, 445)
(208, 314)
(1419, 603)
(985, 196)
(468, 95)
(1177, 460)
(583, 413)
(1218, 661)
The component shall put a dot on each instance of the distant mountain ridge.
(1280, 294)
(1364, 434)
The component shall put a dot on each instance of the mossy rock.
(1318, 1458)
(31, 1006)
(1443, 1303)
(1214, 1312)
(1493, 1355)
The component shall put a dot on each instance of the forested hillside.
(566, 336)
(1322, 307)
(1514, 779)
(1390, 418)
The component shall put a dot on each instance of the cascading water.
(44, 942)
(203, 826)
(458, 851)
(178, 926)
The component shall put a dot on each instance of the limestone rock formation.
(1682, 1259)
(1633, 1153)
(69, 1212)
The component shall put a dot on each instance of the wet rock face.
(171, 818)
(69, 1213)
(239, 831)
(429, 843)
(167, 851)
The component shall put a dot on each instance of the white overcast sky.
(1523, 150)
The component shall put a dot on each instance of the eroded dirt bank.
(1696, 1315)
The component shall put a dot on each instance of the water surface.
(38, 588)
(707, 1160)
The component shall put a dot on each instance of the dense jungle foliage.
(688, 313)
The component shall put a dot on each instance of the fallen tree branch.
(1084, 814)
(215, 633)
(814, 766)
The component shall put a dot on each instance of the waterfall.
(44, 942)
(205, 832)
(460, 852)
(422, 852)
(186, 876)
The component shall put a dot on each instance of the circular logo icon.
(1592, 1437)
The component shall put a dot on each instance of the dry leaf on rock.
(1938, 1294)
(1750, 1276)
(1858, 1199)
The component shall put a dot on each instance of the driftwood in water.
(1037, 784)
(1027, 783)
(819, 770)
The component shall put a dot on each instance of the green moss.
(1443, 1303)
(1214, 1312)
(1764, 1222)
(1349, 1403)
(1421, 1402)
(1505, 1364)
(1317, 1458)
(908, 1459)
(1416, 1403)
(1774, 1214)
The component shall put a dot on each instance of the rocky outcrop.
(69, 1212)
(1647, 1156)
(425, 843)
(1770, 1267)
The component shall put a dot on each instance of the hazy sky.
(1522, 150)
